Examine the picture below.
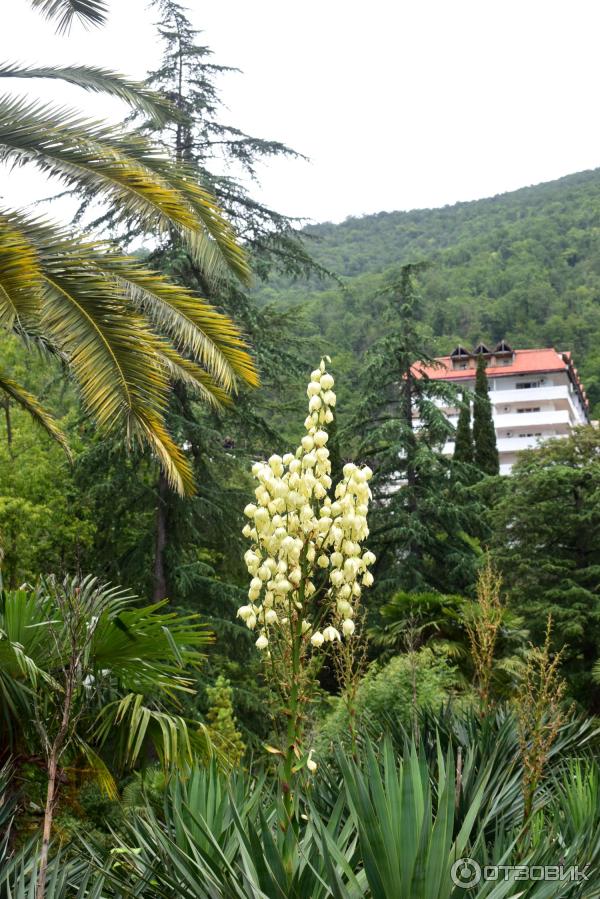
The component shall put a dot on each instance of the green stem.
(294, 726)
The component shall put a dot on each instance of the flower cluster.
(306, 563)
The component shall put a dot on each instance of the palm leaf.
(198, 381)
(30, 404)
(145, 188)
(89, 12)
(97, 80)
(20, 273)
(195, 326)
(125, 332)
(112, 354)
(137, 724)
(98, 767)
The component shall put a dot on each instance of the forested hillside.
(524, 266)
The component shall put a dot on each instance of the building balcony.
(511, 446)
(500, 396)
(544, 418)
(516, 444)
(561, 395)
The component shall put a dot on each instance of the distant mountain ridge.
(523, 265)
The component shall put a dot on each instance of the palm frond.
(112, 354)
(97, 80)
(148, 429)
(89, 12)
(145, 188)
(139, 724)
(125, 331)
(195, 326)
(198, 381)
(30, 404)
(98, 767)
(20, 273)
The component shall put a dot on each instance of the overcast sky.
(398, 104)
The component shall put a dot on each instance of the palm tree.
(83, 667)
(125, 332)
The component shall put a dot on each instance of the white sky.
(398, 104)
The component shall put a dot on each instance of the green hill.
(523, 265)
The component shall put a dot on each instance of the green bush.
(411, 681)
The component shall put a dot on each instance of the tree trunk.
(48, 816)
(160, 543)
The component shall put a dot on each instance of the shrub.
(407, 684)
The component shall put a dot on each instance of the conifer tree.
(484, 433)
(420, 523)
(463, 447)
(222, 724)
(217, 442)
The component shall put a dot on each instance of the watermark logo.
(467, 873)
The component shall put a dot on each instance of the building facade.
(535, 394)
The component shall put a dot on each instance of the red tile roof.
(524, 362)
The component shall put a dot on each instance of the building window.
(526, 385)
(530, 409)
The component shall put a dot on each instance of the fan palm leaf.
(141, 655)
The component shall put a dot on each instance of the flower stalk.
(308, 569)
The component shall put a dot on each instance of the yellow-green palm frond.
(20, 273)
(149, 428)
(29, 403)
(223, 235)
(111, 352)
(145, 188)
(126, 334)
(89, 12)
(98, 80)
(97, 767)
(195, 327)
(175, 739)
(196, 379)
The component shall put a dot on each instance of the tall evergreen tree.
(463, 446)
(484, 432)
(217, 442)
(421, 517)
(195, 543)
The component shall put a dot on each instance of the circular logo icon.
(465, 873)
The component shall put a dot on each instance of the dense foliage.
(547, 541)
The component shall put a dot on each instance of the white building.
(535, 394)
